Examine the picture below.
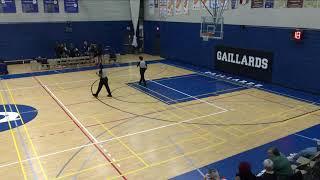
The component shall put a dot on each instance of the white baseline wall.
(281, 17)
(89, 10)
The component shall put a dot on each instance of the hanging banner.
(178, 8)
(294, 3)
(170, 7)
(71, 6)
(280, 4)
(269, 4)
(234, 4)
(29, 6)
(185, 7)
(205, 4)
(243, 2)
(163, 8)
(196, 4)
(220, 4)
(257, 4)
(51, 6)
(156, 3)
(310, 4)
(151, 7)
(8, 6)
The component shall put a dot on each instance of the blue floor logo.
(9, 114)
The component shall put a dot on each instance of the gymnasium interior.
(232, 89)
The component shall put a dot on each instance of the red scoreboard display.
(297, 35)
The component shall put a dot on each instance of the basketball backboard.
(212, 19)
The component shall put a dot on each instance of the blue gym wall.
(29, 40)
(28, 35)
(295, 65)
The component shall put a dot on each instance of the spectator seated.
(281, 164)
(267, 173)
(308, 153)
(244, 172)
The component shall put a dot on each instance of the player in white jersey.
(143, 67)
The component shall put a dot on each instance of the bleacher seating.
(70, 62)
(305, 164)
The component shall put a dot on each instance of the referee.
(103, 81)
(143, 67)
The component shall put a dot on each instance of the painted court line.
(189, 160)
(15, 142)
(180, 99)
(72, 82)
(177, 77)
(80, 125)
(211, 104)
(122, 143)
(112, 139)
(177, 107)
(60, 83)
(275, 92)
(26, 150)
(27, 133)
(127, 135)
(147, 93)
(30, 87)
(305, 137)
(211, 93)
(139, 154)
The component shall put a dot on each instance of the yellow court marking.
(207, 132)
(120, 141)
(173, 158)
(225, 130)
(177, 107)
(14, 140)
(85, 170)
(27, 132)
(203, 136)
(183, 126)
(129, 157)
(168, 160)
(60, 87)
(280, 114)
(139, 169)
(264, 117)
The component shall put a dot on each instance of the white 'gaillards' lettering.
(252, 61)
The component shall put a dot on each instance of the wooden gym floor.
(75, 136)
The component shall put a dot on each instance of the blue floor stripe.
(228, 166)
(185, 88)
(295, 94)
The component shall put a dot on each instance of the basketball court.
(141, 131)
(187, 120)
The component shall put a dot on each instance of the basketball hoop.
(205, 38)
(207, 35)
(212, 19)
